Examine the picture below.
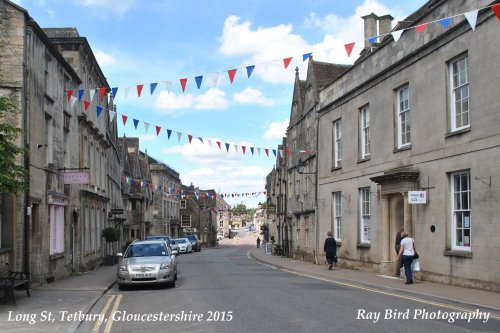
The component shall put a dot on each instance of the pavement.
(81, 293)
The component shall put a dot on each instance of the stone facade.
(450, 156)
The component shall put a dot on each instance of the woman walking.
(407, 251)
(330, 249)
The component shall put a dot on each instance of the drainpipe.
(25, 115)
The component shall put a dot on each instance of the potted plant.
(111, 235)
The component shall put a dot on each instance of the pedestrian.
(330, 249)
(407, 252)
(397, 245)
(258, 242)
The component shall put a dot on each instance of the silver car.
(184, 245)
(147, 262)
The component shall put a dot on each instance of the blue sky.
(143, 42)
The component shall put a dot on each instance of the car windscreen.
(146, 250)
(181, 241)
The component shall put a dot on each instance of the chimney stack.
(384, 24)
(370, 27)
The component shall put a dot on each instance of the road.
(225, 290)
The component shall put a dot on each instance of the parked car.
(170, 241)
(195, 242)
(147, 262)
(184, 245)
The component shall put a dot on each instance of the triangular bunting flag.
(215, 78)
(190, 137)
(472, 18)
(227, 147)
(169, 132)
(146, 127)
(198, 80)
(158, 129)
(306, 56)
(98, 110)
(152, 87)
(183, 84)
(267, 152)
(287, 61)
(231, 73)
(421, 27)
(349, 47)
(73, 101)
(372, 40)
(280, 151)
(168, 85)
(209, 142)
(136, 122)
(236, 148)
(92, 93)
(252, 149)
(243, 148)
(496, 10)
(126, 91)
(397, 34)
(114, 91)
(81, 92)
(102, 92)
(179, 135)
(218, 144)
(86, 105)
(139, 89)
(287, 152)
(112, 115)
(124, 118)
(70, 93)
(274, 152)
(445, 22)
(250, 70)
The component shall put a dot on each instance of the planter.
(110, 260)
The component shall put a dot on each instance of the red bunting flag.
(421, 27)
(243, 148)
(232, 73)
(218, 144)
(102, 92)
(349, 47)
(86, 105)
(158, 129)
(496, 10)
(267, 152)
(287, 61)
(124, 118)
(309, 152)
(139, 89)
(183, 83)
(190, 137)
(70, 93)
(287, 152)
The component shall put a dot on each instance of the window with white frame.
(86, 243)
(459, 84)
(461, 210)
(365, 214)
(337, 215)
(183, 204)
(365, 132)
(56, 229)
(186, 221)
(404, 117)
(337, 144)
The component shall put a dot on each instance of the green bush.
(111, 234)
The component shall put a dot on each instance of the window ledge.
(458, 132)
(461, 254)
(5, 250)
(336, 168)
(397, 150)
(361, 160)
(363, 245)
(56, 256)
(339, 243)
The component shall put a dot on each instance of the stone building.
(97, 138)
(166, 213)
(198, 209)
(302, 136)
(417, 114)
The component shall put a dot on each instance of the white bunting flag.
(126, 91)
(215, 78)
(168, 84)
(92, 93)
(146, 126)
(472, 18)
(112, 115)
(397, 34)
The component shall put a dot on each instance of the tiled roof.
(325, 73)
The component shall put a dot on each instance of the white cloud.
(120, 6)
(252, 96)
(213, 99)
(148, 137)
(276, 130)
(104, 58)
(169, 103)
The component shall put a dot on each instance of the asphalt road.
(224, 290)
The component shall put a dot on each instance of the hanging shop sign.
(417, 197)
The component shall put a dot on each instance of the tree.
(12, 175)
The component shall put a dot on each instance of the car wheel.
(175, 276)
(122, 287)
(172, 284)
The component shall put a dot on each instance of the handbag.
(415, 256)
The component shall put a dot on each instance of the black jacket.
(330, 247)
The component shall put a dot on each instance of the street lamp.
(301, 166)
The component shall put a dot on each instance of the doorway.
(397, 217)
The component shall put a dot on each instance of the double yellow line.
(109, 322)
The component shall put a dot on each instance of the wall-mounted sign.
(76, 178)
(417, 197)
